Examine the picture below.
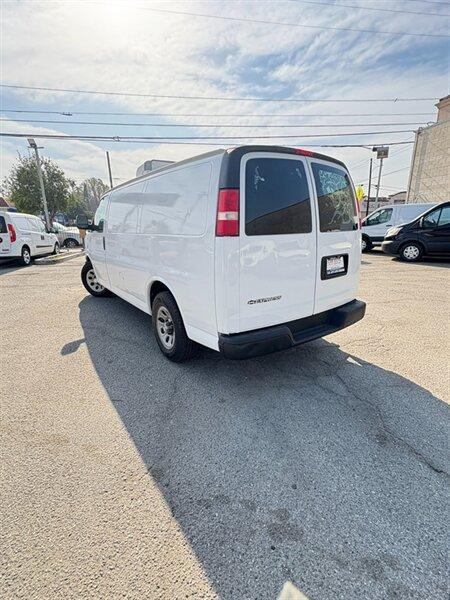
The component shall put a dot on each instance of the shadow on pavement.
(310, 466)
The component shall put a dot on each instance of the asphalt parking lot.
(321, 469)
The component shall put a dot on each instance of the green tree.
(94, 189)
(77, 203)
(22, 185)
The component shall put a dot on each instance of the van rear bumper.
(293, 333)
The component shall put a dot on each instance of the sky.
(305, 70)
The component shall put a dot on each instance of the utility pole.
(370, 184)
(109, 170)
(382, 153)
(379, 180)
(33, 145)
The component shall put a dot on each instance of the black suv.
(428, 235)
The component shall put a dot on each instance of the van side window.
(277, 197)
(430, 221)
(100, 213)
(337, 206)
(39, 225)
(444, 219)
(381, 216)
(3, 228)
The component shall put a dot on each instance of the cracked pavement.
(323, 469)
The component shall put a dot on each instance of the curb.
(50, 260)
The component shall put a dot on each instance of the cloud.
(121, 46)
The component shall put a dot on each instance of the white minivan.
(378, 222)
(24, 237)
(245, 251)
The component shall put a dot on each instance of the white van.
(24, 237)
(246, 251)
(377, 223)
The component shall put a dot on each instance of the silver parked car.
(67, 236)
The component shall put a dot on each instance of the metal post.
(370, 185)
(41, 183)
(109, 169)
(379, 180)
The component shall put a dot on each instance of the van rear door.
(338, 235)
(277, 240)
(5, 242)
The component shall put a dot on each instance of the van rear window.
(276, 197)
(337, 206)
(3, 228)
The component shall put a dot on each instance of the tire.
(71, 243)
(411, 252)
(366, 244)
(169, 330)
(56, 248)
(90, 282)
(26, 258)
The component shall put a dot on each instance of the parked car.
(427, 235)
(67, 236)
(24, 237)
(375, 225)
(246, 251)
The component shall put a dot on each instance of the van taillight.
(12, 233)
(227, 223)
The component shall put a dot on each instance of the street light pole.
(109, 169)
(33, 145)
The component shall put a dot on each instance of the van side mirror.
(82, 222)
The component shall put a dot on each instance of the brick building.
(429, 178)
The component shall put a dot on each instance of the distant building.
(429, 178)
(3, 202)
(398, 198)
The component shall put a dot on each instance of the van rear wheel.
(26, 256)
(91, 283)
(169, 329)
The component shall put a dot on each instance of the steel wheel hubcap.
(92, 281)
(26, 256)
(411, 252)
(363, 244)
(165, 328)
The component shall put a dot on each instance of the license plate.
(335, 264)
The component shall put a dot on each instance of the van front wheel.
(366, 244)
(169, 330)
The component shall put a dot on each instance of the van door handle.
(104, 247)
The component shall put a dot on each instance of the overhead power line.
(71, 113)
(264, 22)
(267, 137)
(390, 10)
(197, 125)
(153, 140)
(432, 2)
(140, 95)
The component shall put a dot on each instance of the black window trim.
(264, 152)
(321, 159)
